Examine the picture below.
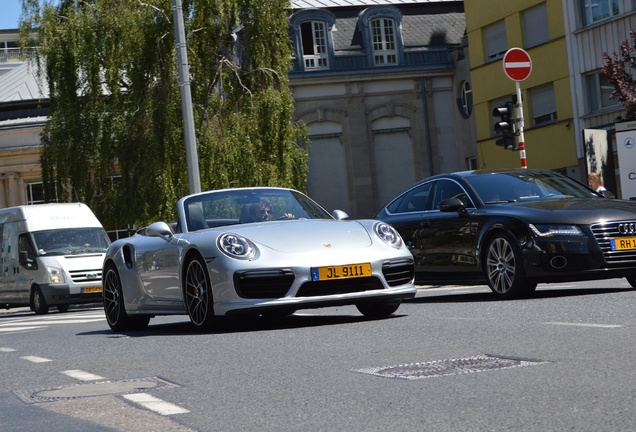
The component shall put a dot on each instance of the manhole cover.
(440, 368)
(94, 389)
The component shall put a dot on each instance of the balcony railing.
(15, 55)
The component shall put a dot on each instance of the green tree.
(620, 77)
(115, 135)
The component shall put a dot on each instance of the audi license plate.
(340, 272)
(625, 243)
(91, 290)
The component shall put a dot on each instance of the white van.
(51, 255)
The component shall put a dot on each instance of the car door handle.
(425, 223)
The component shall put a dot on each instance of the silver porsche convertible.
(254, 251)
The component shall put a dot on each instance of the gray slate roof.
(303, 4)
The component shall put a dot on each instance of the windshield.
(249, 205)
(522, 186)
(70, 241)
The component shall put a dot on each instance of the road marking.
(6, 349)
(154, 404)
(24, 324)
(36, 359)
(81, 375)
(585, 325)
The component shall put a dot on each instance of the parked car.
(254, 251)
(512, 229)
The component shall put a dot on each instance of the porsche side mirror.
(159, 229)
(340, 215)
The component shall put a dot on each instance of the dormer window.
(381, 31)
(313, 41)
(383, 34)
(314, 44)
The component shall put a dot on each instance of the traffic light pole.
(519, 126)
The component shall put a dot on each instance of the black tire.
(504, 268)
(378, 309)
(114, 308)
(38, 302)
(632, 281)
(62, 308)
(197, 294)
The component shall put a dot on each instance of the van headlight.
(56, 275)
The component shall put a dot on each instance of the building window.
(383, 39)
(465, 100)
(35, 193)
(543, 104)
(471, 163)
(599, 91)
(314, 44)
(496, 42)
(598, 10)
(535, 26)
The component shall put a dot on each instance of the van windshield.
(70, 241)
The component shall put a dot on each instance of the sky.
(10, 11)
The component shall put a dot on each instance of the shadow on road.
(242, 325)
(541, 293)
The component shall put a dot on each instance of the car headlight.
(56, 275)
(388, 234)
(547, 230)
(236, 246)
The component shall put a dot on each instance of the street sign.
(517, 64)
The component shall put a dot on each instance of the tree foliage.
(618, 69)
(115, 135)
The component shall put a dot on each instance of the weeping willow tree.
(115, 135)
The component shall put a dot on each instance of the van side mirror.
(25, 261)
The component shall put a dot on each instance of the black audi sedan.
(513, 229)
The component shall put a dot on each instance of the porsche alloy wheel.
(198, 294)
(116, 316)
(504, 269)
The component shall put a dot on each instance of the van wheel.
(38, 303)
(62, 308)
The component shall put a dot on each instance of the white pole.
(519, 125)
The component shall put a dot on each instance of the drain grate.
(449, 367)
(94, 389)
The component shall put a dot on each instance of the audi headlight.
(547, 230)
(388, 234)
(236, 246)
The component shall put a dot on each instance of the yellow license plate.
(340, 272)
(91, 290)
(625, 243)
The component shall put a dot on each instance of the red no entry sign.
(517, 64)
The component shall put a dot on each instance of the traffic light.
(505, 126)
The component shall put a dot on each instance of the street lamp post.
(186, 98)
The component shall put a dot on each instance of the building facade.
(385, 91)
(568, 114)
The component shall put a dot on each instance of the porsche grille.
(398, 272)
(339, 286)
(603, 233)
(263, 283)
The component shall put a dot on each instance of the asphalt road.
(452, 359)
